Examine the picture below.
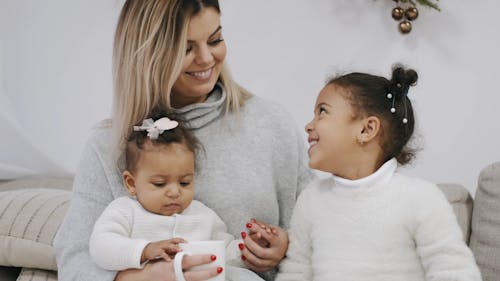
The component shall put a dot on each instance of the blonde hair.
(149, 49)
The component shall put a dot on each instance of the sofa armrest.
(461, 202)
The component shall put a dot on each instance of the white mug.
(216, 248)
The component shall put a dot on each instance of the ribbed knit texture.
(125, 228)
(253, 166)
(485, 240)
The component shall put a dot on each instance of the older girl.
(367, 221)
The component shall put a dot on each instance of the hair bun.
(401, 80)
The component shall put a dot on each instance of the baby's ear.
(129, 182)
(370, 129)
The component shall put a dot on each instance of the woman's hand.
(264, 246)
(161, 270)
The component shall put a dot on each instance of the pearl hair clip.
(393, 108)
(156, 128)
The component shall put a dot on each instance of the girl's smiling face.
(333, 131)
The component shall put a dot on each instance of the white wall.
(55, 73)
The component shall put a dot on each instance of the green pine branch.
(427, 3)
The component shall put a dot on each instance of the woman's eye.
(321, 110)
(189, 49)
(215, 42)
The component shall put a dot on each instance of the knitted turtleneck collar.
(380, 177)
(200, 114)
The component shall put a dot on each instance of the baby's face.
(164, 178)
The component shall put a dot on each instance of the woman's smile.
(202, 76)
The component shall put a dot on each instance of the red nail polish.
(241, 246)
(219, 270)
(243, 258)
(213, 257)
(249, 225)
(243, 235)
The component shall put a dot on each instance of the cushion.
(461, 202)
(29, 219)
(37, 182)
(485, 236)
(33, 274)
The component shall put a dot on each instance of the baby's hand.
(256, 235)
(264, 246)
(161, 249)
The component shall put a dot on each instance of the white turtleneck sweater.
(383, 227)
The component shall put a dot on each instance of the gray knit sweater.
(253, 165)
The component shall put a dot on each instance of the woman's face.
(204, 59)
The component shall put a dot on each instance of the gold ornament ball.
(405, 27)
(398, 13)
(411, 13)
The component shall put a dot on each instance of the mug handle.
(179, 275)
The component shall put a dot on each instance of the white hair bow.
(155, 128)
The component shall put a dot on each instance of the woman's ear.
(370, 129)
(129, 182)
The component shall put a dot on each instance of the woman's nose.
(204, 56)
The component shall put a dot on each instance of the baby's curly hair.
(180, 134)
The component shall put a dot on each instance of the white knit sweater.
(125, 228)
(382, 227)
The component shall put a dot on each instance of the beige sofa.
(31, 210)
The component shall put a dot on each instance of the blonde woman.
(171, 53)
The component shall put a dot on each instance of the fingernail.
(253, 220)
(241, 246)
(249, 225)
(243, 235)
(213, 257)
(244, 258)
(219, 270)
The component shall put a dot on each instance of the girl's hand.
(264, 247)
(161, 270)
(165, 249)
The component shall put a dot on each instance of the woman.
(171, 53)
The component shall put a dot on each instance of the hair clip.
(393, 108)
(156, 128)
(390, 96)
